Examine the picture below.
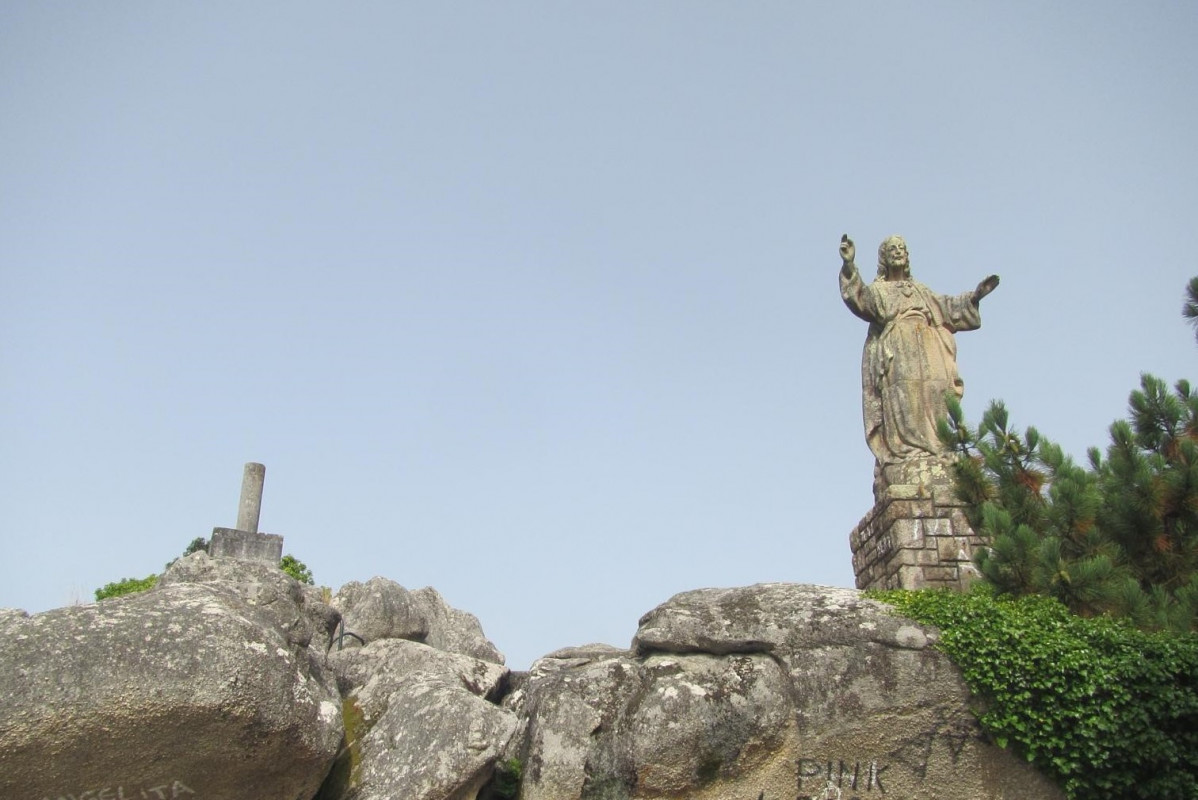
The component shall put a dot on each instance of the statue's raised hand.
(984, 288)
(848, 251)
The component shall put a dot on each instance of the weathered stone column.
(244, 542)
(250, 508)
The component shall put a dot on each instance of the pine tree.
(1190, 309)
(1117, 537)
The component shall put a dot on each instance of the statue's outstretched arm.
(848, 252)
(987, 286)
(856, 295)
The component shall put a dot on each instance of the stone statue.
(910, 359)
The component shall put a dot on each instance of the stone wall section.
(915, 537)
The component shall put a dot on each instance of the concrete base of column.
(265, 548)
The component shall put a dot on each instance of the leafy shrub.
(296, 569)
(126, 586)
(1108, 710)
(197, 544)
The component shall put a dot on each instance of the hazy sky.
(536, 303)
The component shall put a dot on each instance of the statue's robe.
(909, 362)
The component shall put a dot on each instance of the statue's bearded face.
(894, 258)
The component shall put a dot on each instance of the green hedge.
(1108, 710)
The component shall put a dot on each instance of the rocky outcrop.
(386, 662)
(769, 691)
(454, 630)
(296, 610)
(202, 689)
(569, 708)
(428, 728)
(382, 609)
(436, 740)
(221, 683)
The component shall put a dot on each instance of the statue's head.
(893, 262)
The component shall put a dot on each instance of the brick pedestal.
(915, 537)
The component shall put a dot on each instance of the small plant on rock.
(296, 569)
(126, 586)
(507, 778)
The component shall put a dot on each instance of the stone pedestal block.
(915, 537)
(265, 548)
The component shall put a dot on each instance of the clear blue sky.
(536, 303)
